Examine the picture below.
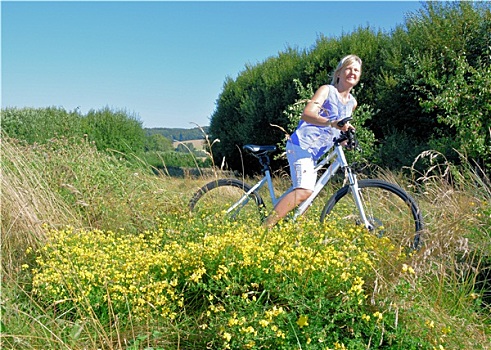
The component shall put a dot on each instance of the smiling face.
(348, 71)
(350, 75)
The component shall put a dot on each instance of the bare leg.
(285, 205)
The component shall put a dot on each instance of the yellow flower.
(378, 315)
(406, 268)
(446, 330)
(280, 334)
(227, 336)
(339, 346)
(233, 322)
(430, 324)
(303, 321)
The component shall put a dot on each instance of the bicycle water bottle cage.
(261, 153)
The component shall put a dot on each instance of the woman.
(315, 133)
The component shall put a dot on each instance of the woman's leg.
(285, 205)
(303, 179)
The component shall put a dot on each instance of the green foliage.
(427, 80)
(248, 106)
(108, 129)
(443, 78)
(157, 143)
(242, 286)
(462, 101)
(124, 279)
(179, 134)
(162, 160)
(92, 183)
(38, 125)
(114, 130)
(399, 149)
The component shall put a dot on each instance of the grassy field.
(198, 144)
(98, 253)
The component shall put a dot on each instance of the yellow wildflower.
(227, 336)
(303, 321)
(378, 315)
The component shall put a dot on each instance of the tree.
(158, 143)
(413, 85)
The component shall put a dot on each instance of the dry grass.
(28, 203)
(75, 185)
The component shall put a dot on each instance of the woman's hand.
(343, 125)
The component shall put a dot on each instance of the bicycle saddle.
(255, 149)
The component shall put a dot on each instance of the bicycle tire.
(392, 211)
(214, 198)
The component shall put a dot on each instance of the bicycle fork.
(355, 192)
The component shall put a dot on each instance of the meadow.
(100, 253)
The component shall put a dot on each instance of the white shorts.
(301, 167)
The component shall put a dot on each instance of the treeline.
(425, 85)
(179, 134)
(114, 131)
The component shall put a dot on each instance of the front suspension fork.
(355, 192)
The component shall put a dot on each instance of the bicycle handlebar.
(342, 122)
(350, 138)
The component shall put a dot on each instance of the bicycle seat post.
(264, 161)
(261, 153)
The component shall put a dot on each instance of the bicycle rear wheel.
(392, 212)
(221, 198)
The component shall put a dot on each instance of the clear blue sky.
(165, 62)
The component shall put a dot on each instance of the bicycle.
(383, 208)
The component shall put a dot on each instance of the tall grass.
(99, 253)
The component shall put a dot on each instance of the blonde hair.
(345, 61)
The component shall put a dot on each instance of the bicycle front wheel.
(228, 198)
(390, 210)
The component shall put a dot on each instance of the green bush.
(428, 79)
(157, 143)
(38, 125)
(114, 130)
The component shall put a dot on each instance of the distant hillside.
(178, 134)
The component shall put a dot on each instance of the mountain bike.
(383, 208)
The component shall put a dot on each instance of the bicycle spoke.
(221, 200)
(387, 210)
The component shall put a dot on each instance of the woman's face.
(350, 74)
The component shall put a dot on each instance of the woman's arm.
(311, 111)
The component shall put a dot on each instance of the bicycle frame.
(338, 162)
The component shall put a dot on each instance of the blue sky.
(163, 61)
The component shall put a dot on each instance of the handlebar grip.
(342, 122)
